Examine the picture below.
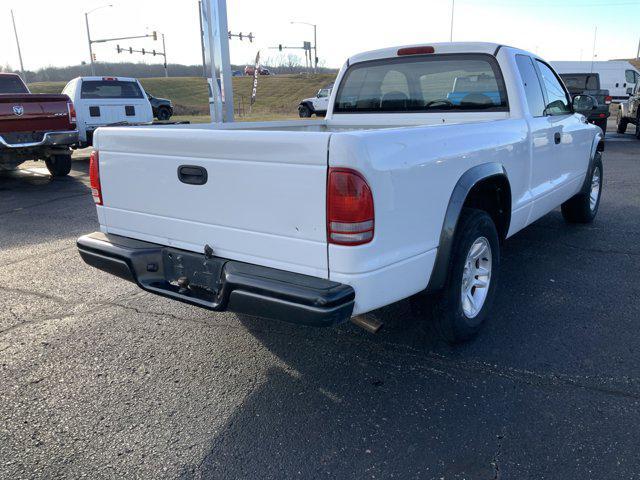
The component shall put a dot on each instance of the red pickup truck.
(35, 127)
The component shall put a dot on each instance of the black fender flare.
(597, 148)
(465, 184)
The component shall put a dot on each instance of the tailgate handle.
(192, 174)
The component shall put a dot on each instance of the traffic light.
(280, 47)
(251, 37)
(93, 57)
(131, 50)
(154, 53)
(155, 35)
(143, 52)
(118, 48)
(229, 34)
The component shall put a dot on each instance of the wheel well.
(493, 195)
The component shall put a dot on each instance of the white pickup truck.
(408, 186)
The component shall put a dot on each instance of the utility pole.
(638, 53)
(204, 62)
(593, 52)
(24, 78)
(453, 7)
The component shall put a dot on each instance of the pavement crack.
(533, 379)
(495, 463)
(31, 293)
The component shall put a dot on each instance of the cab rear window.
(12, 84)
(96, 89)
(429, 83)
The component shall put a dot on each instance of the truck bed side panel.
(412, 173)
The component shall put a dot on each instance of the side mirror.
(584, 104)
(629, 91)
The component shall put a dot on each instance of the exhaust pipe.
(367, 322)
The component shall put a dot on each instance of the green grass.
(278, 95)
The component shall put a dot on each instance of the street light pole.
(86, 19)
(93, 68)
(315, 43)
(453, 7)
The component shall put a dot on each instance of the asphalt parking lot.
(102, 380)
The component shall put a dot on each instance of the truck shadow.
(346, 404)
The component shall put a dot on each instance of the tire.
(457, 320)
(622, 124)
(304, 111)
(638, 125)
(59, 165)
(163, 114)
(583, 207)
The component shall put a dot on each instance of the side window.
(532, 88)
(557, 101)
(630, 76)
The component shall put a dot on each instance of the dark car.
(589, 84)
(162, 107)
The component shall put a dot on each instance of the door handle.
(557, 138)
(192, 174)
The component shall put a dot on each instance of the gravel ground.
(102, 380)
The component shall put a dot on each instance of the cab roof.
(448, 47)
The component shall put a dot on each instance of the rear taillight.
(350, 215)
(608, 99)
(94, 178)
(72, 113)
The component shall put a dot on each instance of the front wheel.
(583, 207)
(462, 308)
(304, 111)
(59, 165)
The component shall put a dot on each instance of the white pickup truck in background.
(429, 157)
(102, 101)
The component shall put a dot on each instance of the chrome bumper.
(50, 139)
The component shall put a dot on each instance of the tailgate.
(263, 201)
(34, 113)
(106, 112)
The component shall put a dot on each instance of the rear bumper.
(49, 139)
(219, 284)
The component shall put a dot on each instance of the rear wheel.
(304, 111)
(463, 306)
(583, 207)
(59, 165)
(621, 123)
(164, 114)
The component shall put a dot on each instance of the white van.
(617, 76)
(102, 101)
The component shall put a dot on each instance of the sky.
(53, 32)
